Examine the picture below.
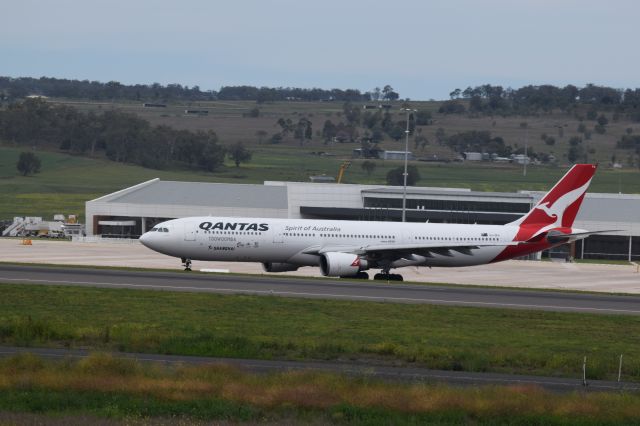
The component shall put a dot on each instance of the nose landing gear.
(186, 263)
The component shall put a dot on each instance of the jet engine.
(279, 267)
(335, 264)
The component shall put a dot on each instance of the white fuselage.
(291, 240)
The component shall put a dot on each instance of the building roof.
(440, 192)
(201, 194)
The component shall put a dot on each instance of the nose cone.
(145, 239)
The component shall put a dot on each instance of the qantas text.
(207, 226)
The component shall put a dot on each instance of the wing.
(399, 251)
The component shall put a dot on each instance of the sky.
(423, 49)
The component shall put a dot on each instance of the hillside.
(67, 182)
(232, 123)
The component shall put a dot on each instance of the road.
(323, 288)
(406, 374)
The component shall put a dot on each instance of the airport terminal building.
(132, 211)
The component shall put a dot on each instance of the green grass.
(102, 386)
(453, 338)
(603, 261)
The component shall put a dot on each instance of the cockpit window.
(164, 230)
(154, 229)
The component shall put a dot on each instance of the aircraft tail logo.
(559, 207)
(556, 210)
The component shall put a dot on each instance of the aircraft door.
(189, 232)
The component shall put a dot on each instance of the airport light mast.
(406, 155)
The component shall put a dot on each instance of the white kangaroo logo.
(556, 209)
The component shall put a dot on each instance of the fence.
(101, 239)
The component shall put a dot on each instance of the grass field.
(451, 338)
(67, 182)
(123, 390)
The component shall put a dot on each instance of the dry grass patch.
(322, 392)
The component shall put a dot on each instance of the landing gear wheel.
(388, 277)
(362, 276)
(187, 264)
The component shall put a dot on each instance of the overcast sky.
(423, 49)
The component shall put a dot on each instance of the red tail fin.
(559, 207)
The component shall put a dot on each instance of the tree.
(575, 141)
(28, 163)
(575, 152)
(397, 132)
(602, 120)
(239, 154)
(329, 131)
(601, 130)
(261, 135)
(351, 113)
(376, 94)
(396, 176)
(303, 130)
(368, 167)
(582, 128)
(389, 94)
(451, 107)
(275, 139)
(423, 118)
(455, 94)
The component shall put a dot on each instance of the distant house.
(520, 159)
(368, 153)
(152, 105)
(473, 156)
(396, 155)
(379, 106)
(322, 179)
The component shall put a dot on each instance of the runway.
(405, 374)
(323, 289)
(512, 273)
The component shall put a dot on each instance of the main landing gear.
(186, 263)
(388, 277)
(359, 276)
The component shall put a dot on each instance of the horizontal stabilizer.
(555, 237)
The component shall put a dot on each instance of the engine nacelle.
(335, 264)
(279, 267)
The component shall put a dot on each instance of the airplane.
(349, 248)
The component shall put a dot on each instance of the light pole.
(406, 155)
(526, 157)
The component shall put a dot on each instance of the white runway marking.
(330, 295)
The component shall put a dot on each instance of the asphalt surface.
(323, 288)
(403, 374)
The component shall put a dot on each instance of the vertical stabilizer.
(559, 207)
